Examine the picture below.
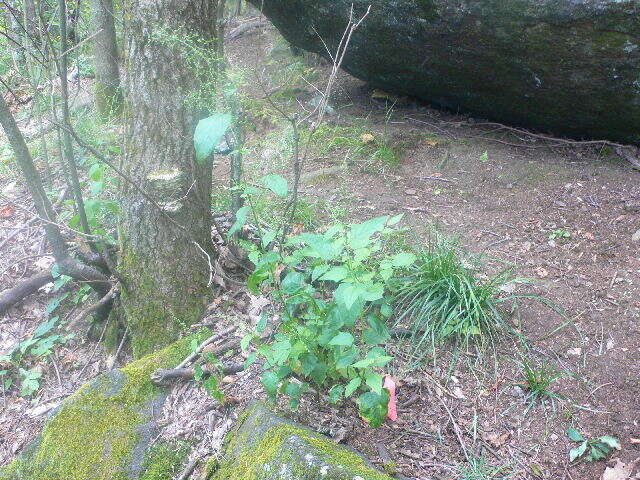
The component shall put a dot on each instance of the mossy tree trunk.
(105, 58)
(163, 260)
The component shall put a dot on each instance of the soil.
(562, 213)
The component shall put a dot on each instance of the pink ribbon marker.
(390, 385)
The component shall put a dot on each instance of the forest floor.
(562, 214)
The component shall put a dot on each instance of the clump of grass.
(443, 298)
(478, 469)
(537, 382)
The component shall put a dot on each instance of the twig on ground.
(438, 179)
(163, 377)
(456, 429)
(197, 351)
(93, 354)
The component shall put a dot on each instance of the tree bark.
(11, 296)
(108, 95)
(163, 257)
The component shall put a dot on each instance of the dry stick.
(208, 341)
(162, 376)
(188, 470)
(456, 429)
(124, 337)
(106, 324)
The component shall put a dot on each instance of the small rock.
(410, 191)
(574, 351)
(636, 237)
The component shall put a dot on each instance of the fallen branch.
(164, 377)
(11, 296)
(240, 30)
(208, 341)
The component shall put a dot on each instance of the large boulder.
(105, 429)
(571, 67)
(264, 446)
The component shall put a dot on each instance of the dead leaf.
(297, 228)
(634, 441)
(620, 471)
(6, 211)
(432, 143)
(497, 440)
(458, 393)
(542, 272)
(368, 138)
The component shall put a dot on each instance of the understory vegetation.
(354, 302)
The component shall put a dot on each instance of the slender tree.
(108, 95)
(67, 264)
(166, 255)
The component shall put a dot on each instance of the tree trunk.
(163, 259)
(108, 95)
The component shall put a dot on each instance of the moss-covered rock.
(103, 431)
(266, 447)
(566, 66)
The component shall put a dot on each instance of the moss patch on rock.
(164, 461)
(102, 431)
(266, 447)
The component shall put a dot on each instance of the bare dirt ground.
(504, 194)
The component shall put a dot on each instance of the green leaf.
(342, 339)
(96, 172)
(209, 133)
(318, 271)
(336, 274)
(374, 381)
(292, 282)
(294, 390)
(241, 220)
(45, 327)
(352, 386)
(403, 259)
(268, 237)
(335, 394)
(577, 452)
(55, 270)
(610, 441)
(211, 386)
(276, 184)
(253, 356)
(360, 233)
(198, 373)
(574, 435)
(395, 219)
(245, 342)
(373, 407)
(262, 323)
(270, 383)
(96, 188)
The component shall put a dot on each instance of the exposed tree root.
(11, 296)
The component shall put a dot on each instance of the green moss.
(164, 461)
(155, 320)
(97, 432)
(252, 456)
